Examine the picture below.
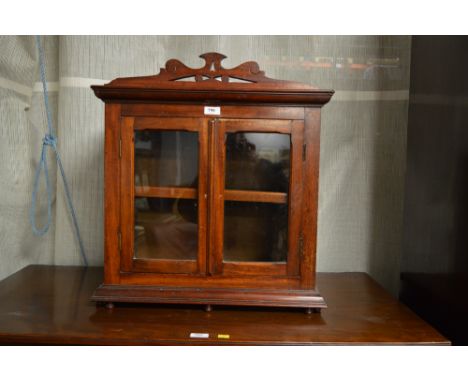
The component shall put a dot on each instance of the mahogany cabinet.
(211, 183)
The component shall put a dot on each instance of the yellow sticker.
(224, 336)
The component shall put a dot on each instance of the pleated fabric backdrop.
(363, 140)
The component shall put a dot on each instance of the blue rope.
(50, 140)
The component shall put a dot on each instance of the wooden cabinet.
(211, 187)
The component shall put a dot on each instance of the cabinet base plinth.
(210, 296)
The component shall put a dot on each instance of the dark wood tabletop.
(50, 305)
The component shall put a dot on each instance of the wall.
(437, 184)
(434, 261)
(362, 148)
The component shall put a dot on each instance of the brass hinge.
(120, 241)
(304, 147)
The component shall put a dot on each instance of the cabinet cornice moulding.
(212, 83)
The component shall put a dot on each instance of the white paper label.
(199, 335)
(212, 110)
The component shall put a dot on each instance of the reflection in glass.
(166, 158)
(255, 231)
(258, 161)
(166, 228)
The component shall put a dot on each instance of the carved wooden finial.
(213, 60)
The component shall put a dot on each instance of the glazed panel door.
(164, 195)
(256, 193)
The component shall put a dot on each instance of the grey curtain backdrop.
(363, 140)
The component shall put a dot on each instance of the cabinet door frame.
(128, 126)
(218, 195)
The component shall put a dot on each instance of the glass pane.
(166, 158)
(166, 228)
(258, 161)
(255, 231)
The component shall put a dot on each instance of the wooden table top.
(50, 305)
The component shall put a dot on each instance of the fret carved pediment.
(213, 70)
(211, 74)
